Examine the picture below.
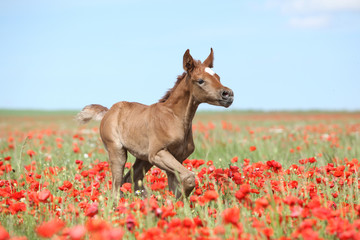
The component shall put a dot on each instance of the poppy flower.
(252, 148)
(17, 207)
(261, 202)
(44, 195)
(158, 185)
(77, 232)
(31, 153)
(231, 216)
(130, 222)
(18, 195)
(96, 225)
(296, 211)
(92, 210)
(4, 235)
(321, 212)
(66, 186)
(268, 232)
(76, 149)
(211, 195)
(126, 187)
(114, 234)
(244, 190)
(50, 228)
(187, 223)
(219, 230)
(198, 222)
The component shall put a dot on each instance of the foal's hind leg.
(139, 170)
(117, 160)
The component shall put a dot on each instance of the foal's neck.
(183, 103)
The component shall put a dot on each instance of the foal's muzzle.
(227, 97)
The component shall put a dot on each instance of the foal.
(159, 134)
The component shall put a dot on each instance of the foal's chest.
(182, 150)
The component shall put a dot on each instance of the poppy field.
(258, 176)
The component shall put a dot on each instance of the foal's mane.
(171, 90)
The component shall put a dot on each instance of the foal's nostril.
(225, 94)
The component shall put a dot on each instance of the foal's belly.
(139, 155)
(179, 152)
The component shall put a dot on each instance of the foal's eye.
(200, 81)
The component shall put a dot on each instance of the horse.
(159, 134)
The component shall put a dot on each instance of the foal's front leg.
(174, 184)
(117, 160)
(166, 161)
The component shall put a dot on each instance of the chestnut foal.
(159, 134)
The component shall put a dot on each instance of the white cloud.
(303, 6)
(313, 13)
(320, 5)
(309, 22)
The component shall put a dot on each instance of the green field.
(260, 175)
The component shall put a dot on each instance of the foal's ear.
(188, 61)
(209, 62)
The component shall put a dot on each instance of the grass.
(260, 193)
(36, 112)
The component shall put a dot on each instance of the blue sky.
(275, 55)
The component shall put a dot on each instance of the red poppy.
(234, 159)
(187, 223)
(92, 210)
(275, 166)
(268, 232)
(77, 232)
(219, 230)
(290, 200)
(211, 195)
(321, 212)
(114, 234)
(261, 202)
(44, 195)
(128, 165)
(296, 211)
(158, 185)
(252, 148)
(48, 229)
(18, 195)
(130, 222)
(126, 187)
(96, 225)
(31, 153)
(76, 149)
(244, 190)
(4, 235)
(66, 186)
(17, 207)
(231, 215)
(198, 221)
(175, 222)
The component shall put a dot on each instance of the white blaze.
(210, 71)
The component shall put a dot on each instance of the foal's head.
(205, 83)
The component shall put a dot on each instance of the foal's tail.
(91, 112)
